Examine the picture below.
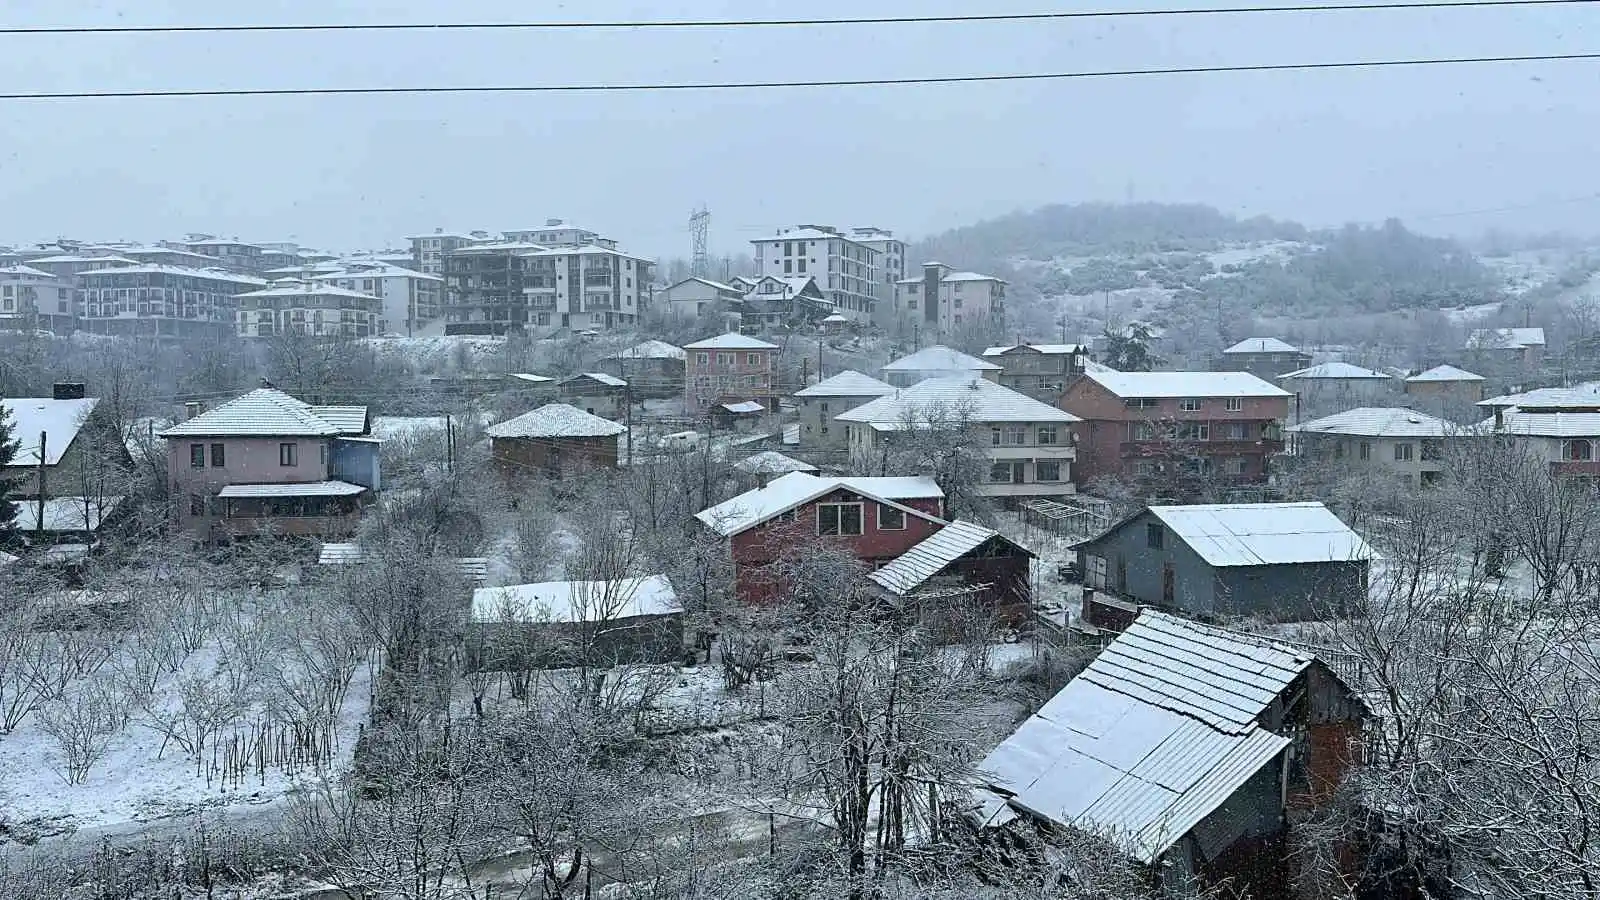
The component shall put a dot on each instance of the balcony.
(1062, 451)
(1153, 448)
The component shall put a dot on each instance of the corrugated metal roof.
(1262, 345)
(555, 420)
(1263, 534)
(65, 513)
(1445, 373)
(1369, 421)
(59, 421)
(848, 383)
(771, 462)
(963, 397)
(731, 341)
(1156, 734)
(263, 412)
(1043, 349)
(294, 489)
(786, 492)
(927, 558)
(601, 377)
(1158, 385)
(940, 358)
(1580, 397)
(348, 419)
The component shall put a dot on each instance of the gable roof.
(1263, 534)
(1169, 385)
(348, 419)
(751, 508)
(848, 383)
(651, 349)
(1042, 349)
(1544, 424)
(1505, 338)
(731, 341)
(601, 377)
(939, 358)
(1579, 397)
(1445, 373)
(1333, 370)
(1262, 345)
(59, 421)
(1156, 734)
(930, 556)
(717, 285)
(771, 462)
(1370, 421)
(972, 398)
(265, 412)
(555, 420)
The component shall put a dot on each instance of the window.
(1016, 435)
(1047, 471)
(217, 456)
(1194, 431)
(1144, 431)
(1364, 451)
(197, 456)
(823, 407)
(1234, 404)
(288, 454)
(726, 359)
(1402, 452)
(1579, 451)
(1047, 434)
(1236, 431)
(1189, 404)
(1237, 465)
(1000, 473)
(838, 518)
(752, 359)
(197, 505)
(702, 359)
(1142, 403)
(891, 519)
(994, 437)
(1155, 537)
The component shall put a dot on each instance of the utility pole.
(38, 526)
(627, 401)
(819, 359)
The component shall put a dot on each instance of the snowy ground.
(1253, 252)
(1470, 315)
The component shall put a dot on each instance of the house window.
(1402, 452)
(725, 359)
(1234, 404)
(1047, 435)
(702, 359)
(1364, 451)
(752, 359)
(1189, 404)
(1144, 431)
(1000, 473)
(218, 456)
(288, 454)
(839, 519)
(1194, 431)
(197, 456)
(1237, 431)
(1047, 471)
(1142, 403)
(891, 519)
(1155, 537)
(1579, 451)
(1016, 435)
(1237, 465)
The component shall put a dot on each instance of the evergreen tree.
(9, 447)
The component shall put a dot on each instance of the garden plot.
(207, 699)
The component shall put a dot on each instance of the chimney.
(68, 390)
(192, 408)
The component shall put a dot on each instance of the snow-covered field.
(1242, 254)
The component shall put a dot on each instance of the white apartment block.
(891, 266)
(428, 250)
(559, 233)
(410, 299)
(846, 269)
(310, 308)
(160, 301)
(510, 285)
(32, 300)
(942, 301)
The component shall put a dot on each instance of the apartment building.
(512, 285)
(310, 308)
(1403, 443)
(1135, 425)
(234, 255)
(428, 250)
(730, 368)
(559, 233)
(1264, 357)
(32, 300)
(944, 300)
(161, 255)
(845, 268)
(69, 265)
(164, 301)
(410, 299)
(891, 266)
(1039, 370)
(1559, 425)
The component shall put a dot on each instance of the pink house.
(266, 463)
(730, 369)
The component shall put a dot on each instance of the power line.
(839, 83)
(762, 23)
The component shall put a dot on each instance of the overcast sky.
(354, 172)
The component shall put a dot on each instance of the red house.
(875, 519)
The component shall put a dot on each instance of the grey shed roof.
(1155, 735)
(1263, 534)
(555, 420)
(928, 558)
(1381, 422)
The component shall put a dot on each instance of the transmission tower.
(700, 231)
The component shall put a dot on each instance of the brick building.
(730, 368)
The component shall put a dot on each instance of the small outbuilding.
(552, 440)
(963, 559)
(596, 393)
(555, 624)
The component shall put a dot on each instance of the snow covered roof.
(786, 492)
(555, 420)
(1262, 345)
(970, 276)
(299, 489)
(1044, 349)
(601, 377)
(263, 412)
(1369, 421)
(771, 462)
(939, 358)
(961, 397)
(652, 349)
(803, 233)
(1332, 370)
(25, 271)
(744, 407)
(848, 383)
(310, 289)
(365, 268)
(1156, 385)
(1156, 734)
(731, 341)
(153, 269)
(925, 560)
(531, 378)
(725, 288)
(1505, 338)
(576, 601)
(348, 419)
(1545, 424)
(1579, 397)
(835, 319)
(59, 421)
(1445, 373)
(65, 513)
(1263, 534)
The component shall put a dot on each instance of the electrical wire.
(837, 83)
(766, 23)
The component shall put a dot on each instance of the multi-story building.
(1403, 443)
(310, 308)
(166, 301)
(511, 285)
(31, 300)
(1136, 425)
(1039, 370)
(730, 368)
(410, 299)
(1331, 387)
(1446, 391)
(160, 255)
(938, 361)
(891, 267)
(428, 250)
(1506, 351)
(559, 233)
(943, 300)
(1558, 425)
(829, 397)
(234, 255)
(1265, 358)
(845, 268)
(1028, 444)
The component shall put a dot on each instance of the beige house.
(1405, 443)
(822, 401)
(1446, 391)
